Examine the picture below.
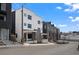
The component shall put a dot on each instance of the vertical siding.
(18, 24)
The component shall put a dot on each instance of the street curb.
(25, 45)
(38, 44)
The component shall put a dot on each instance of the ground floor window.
(44, 36)
(29, 36)
(0, 34)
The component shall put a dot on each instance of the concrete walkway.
(24, 45)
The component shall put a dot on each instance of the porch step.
(1, 43)
(7, 42)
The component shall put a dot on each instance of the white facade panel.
(34, 20)
(18, 25)
(26, 21)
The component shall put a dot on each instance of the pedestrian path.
(24, 45)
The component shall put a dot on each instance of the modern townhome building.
(50, 32)
(5, 21)
(26, 25)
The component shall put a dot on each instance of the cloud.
(72, 7)
(67, 10)
(59, 7)
(62, 25)
(67, 3)
(70, 17)
(77, 25)
(74, 19)
(55, 25)
(12, 10)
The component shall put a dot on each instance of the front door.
(4, 34)
(25, 37)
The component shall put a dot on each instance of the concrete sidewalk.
(25, 45)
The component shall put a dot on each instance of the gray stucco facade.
(5, 20)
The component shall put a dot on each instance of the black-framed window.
(3, 7)
(29, 17)
(38, 22)
(16, 35)
(0, 6)
(1, 17)
(24, 24)
(29, 26)
(45, 26)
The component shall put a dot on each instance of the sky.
(65, 16)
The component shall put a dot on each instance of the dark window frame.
(29, 17)
(29, 25)
(0, 6)
(24, 24)
(39, 22)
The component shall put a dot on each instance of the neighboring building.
(31, 24)
(50, 32)
(46, 28)
(54, 33)
(5, 21)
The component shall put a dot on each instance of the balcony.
(2, 12)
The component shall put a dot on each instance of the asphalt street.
(56, 49)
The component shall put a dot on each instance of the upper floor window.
(25, 14)
(2, 17)
(29, 26)
(24, 24)
(29, 17)
(3, 6)
(38, 22)
(44, 26)
(0, 6)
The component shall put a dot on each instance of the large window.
(0, 6)
(2, 9)
(38, 22)
(2, 17)
(45, 26)
(29, 26)
(3, 6)
(29, 17)
(0, 34)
